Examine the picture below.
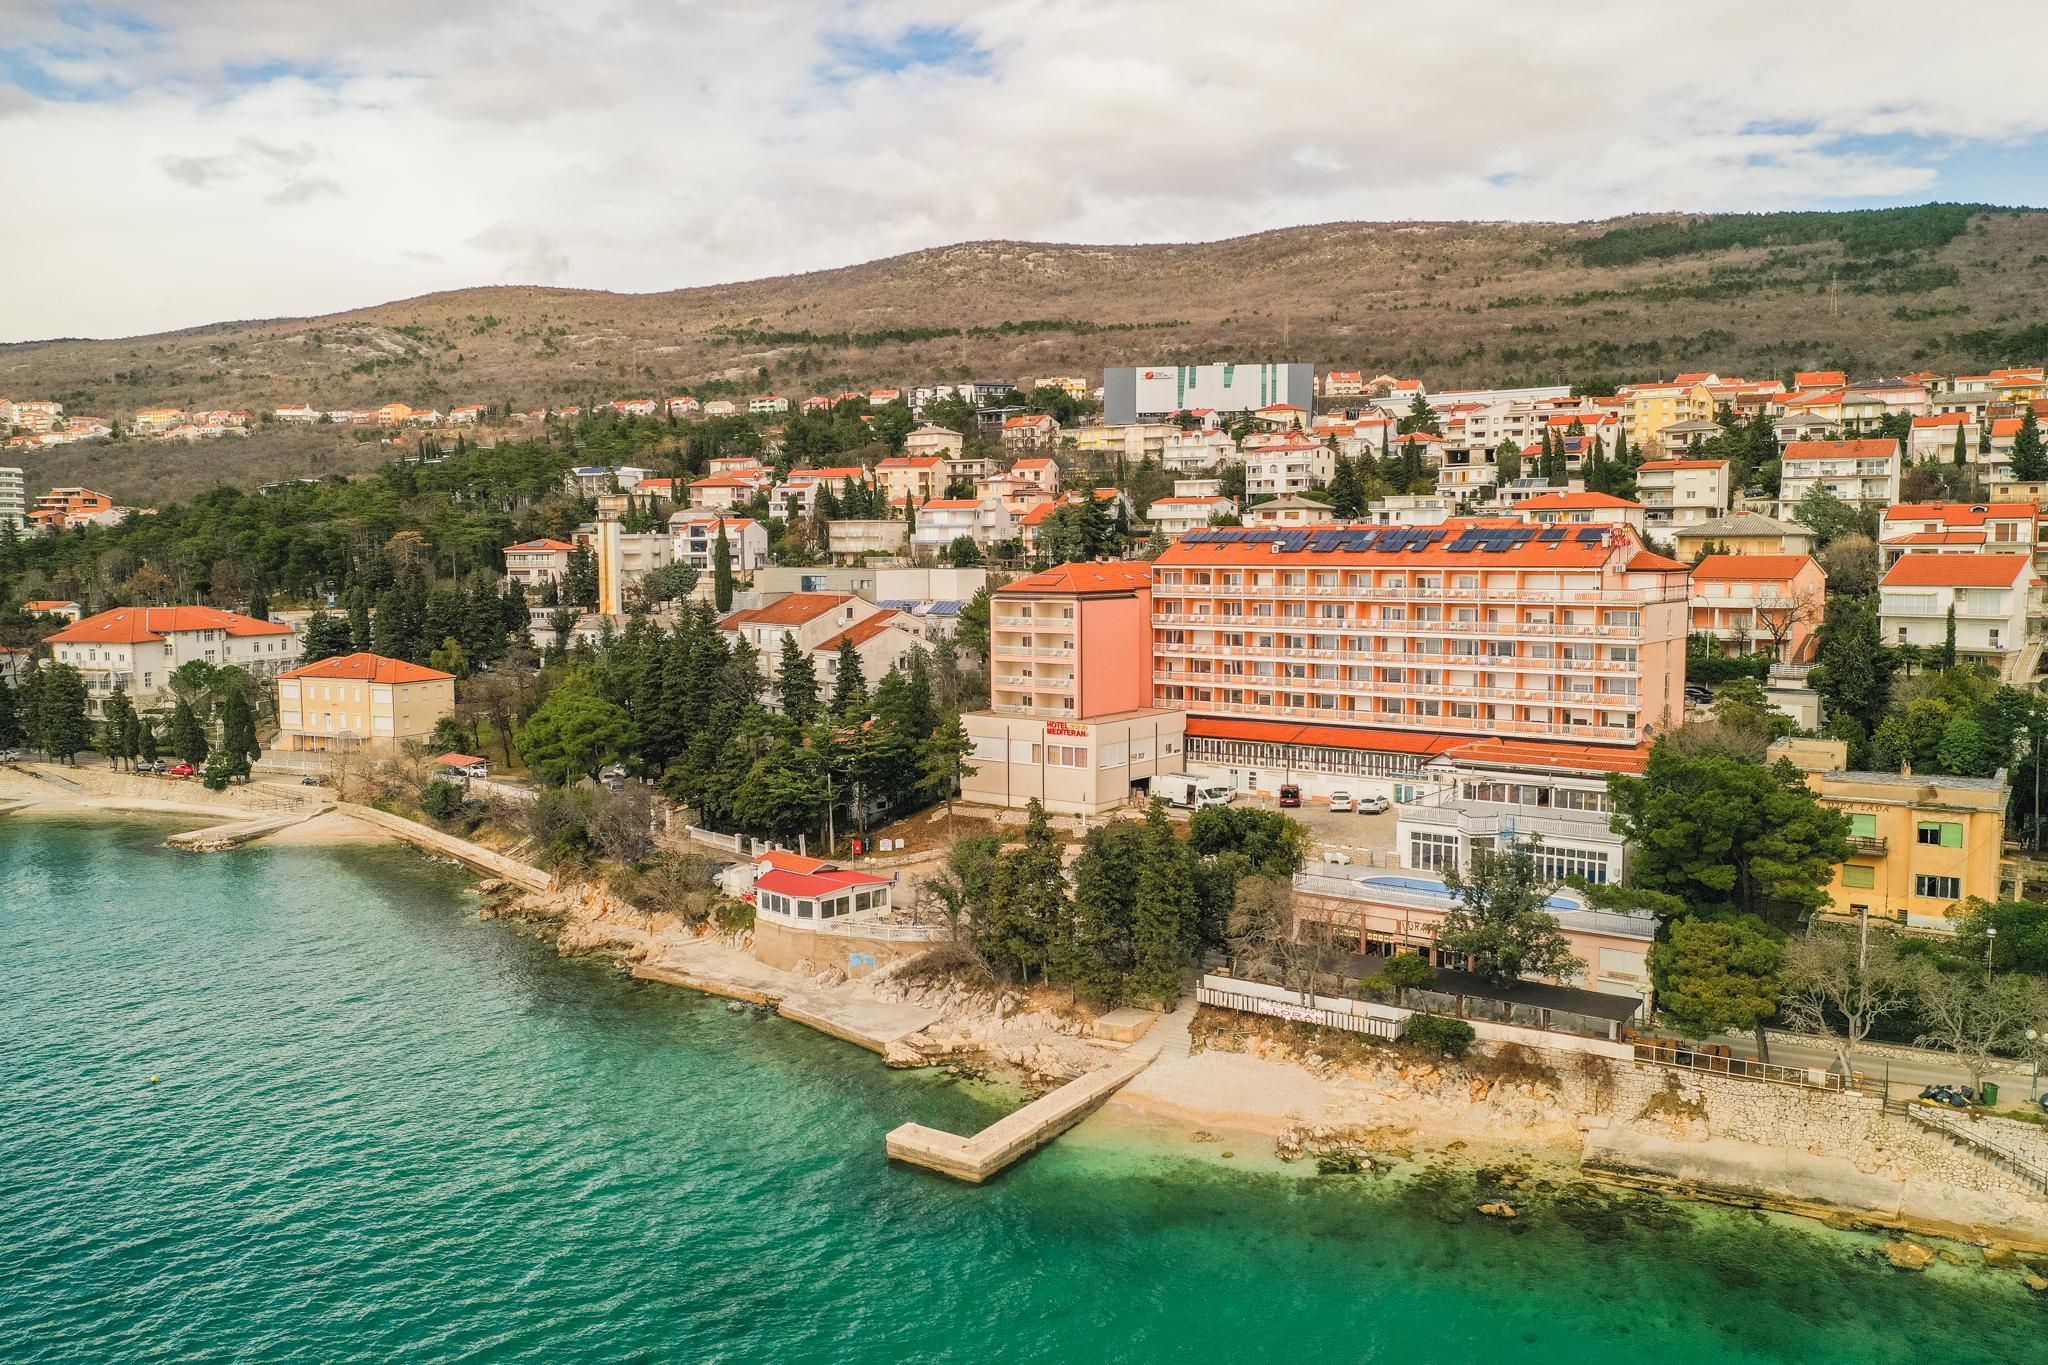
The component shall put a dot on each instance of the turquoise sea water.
(380, 1130)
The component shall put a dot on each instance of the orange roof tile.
(543, 543)
(1681, 464)
(864, 630)
(1536, 753)
(371, 668)
(1749, 568)
(795, 609)
(1940, 538)
(1869, 448)
(1114, 576)
(1555, 502)
(1961, 513)
(1321, 736)
(1649, 561)
(1957, 571)
(130, 625)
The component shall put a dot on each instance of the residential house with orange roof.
(139, 648)
(881, 641)
(61, 608)
(1071, 721)
(810, 618)
(1939, 435)
(1344, 384)
(1959, 528)
(1285, 467)
(767, 404)
(1677, 493)
(1806, 381)
(1759, 604)
(1030, 431)
(1042, 471)
(1813, 416)
(1654, 406)
(1990, 595)
(31, 415)
(1863, 473)
(722, 492)
(683, 405)
(468, 415)
(1564, 507)
(1187, 452)
(696, 531)
(360, 701)
(393, 414)
(1194, 504)
(533, 564)
(933, 440)
(65, 509)
(916, 477)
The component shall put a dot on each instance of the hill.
(1938, 286)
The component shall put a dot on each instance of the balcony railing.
(1868, 843)
(1499, 629)
(1492, 663)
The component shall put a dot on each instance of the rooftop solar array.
(1395, 539)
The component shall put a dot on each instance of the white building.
(1679, 493)
(140, 647)
(941, 521)
(1194, 504)
(696, 529)
(1863, 473)
(595, 479)
(1990, 594)
(1958, 528)
(1149, 393)
(1293, 467)
(13, 498)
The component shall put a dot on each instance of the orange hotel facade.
(1486, 675)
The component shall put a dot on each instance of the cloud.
(302, 190)
(653, 143)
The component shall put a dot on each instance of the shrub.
(1436, 1035)
(442, 801)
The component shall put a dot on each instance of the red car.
(180, 770)
(1290, 795)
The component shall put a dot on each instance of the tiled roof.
(1321, 736)
(1520, 753)
(1113, 576)
(129, 625)
(1957, 571)
(1866, 449)
(794, 610)
(544, 543)
(368, 667)
(1962, 513)
(864, 630)
(1749, 568)
(1681, 464)
(1556, 502)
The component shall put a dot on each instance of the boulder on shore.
(1908, 1255)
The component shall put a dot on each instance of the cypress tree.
(2029, 461)
(849, 687)
(721, 571)
(11, 736)
(1162, 911)
(797, 682)
(238, 733)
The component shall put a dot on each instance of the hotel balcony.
(1401, 658)
(1619, 597)
(1501, 629)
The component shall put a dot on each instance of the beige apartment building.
(360, 701)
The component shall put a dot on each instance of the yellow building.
(360, 701)
(1653, 407)
(1919, 846)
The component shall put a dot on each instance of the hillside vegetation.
(1941, 286)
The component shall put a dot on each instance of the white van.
(1190, 793)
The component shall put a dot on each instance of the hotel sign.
(1061, 727)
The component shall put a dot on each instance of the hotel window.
(1938, 888)
(1432, 852)
(1555, 864)
(1940, 834)
(1858, 876)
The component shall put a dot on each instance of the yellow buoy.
(152, 1080)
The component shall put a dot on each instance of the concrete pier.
(987, 1152)
(716, 968)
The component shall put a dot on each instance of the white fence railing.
(728, 842)
(1256, 997)
(892, 930)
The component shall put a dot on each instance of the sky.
(177, 162)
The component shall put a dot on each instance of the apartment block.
(1071, 721)
(1396, 644)
(1759, 604)
(13, 498)
(360, 701)
(1862, 473)
(1677, 494)
(1959, 528)
(1990, 596)
(1920, 846)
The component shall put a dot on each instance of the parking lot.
(1343, 831)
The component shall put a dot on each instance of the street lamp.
(1990, 938)
(2034, 1046)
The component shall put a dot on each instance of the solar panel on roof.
(1592, 534)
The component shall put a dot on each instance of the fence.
(895, 930)
(728, 842)
(1212, 992)
(1950, 1125)
(1741, 1068)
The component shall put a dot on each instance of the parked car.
(1698, 695)
(1332, 858)
(477, 770)
(10, 755)
(613, 773)
(1340, 803)
(1290, 795)
(312, 780)
(180, 770)
(1372, 805)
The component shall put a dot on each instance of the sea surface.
(298, 1104)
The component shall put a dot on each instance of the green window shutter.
(1951, 836)
(1863, 826)
(1852, 875)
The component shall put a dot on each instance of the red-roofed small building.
(1040, 470)
(1759, 604)
(917, 477)
(810, 618)
(360, 701)
(1990, 594)
(62, 608)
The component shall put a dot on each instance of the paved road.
(1906, 1074)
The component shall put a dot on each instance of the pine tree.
(721, 571)
(797, 682)
(11, 736)
(63, 726)
(325, 638)
(359, 631)
(1162, 912)
(115, 717)
(849, 687)
(2029, 460)
(187, 735)
(238, 734)
(942, 761)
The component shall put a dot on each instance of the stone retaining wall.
(462, 850)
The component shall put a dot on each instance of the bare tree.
(1979, 1023)
(1838, 985)
(1780, 615)
(622, 823)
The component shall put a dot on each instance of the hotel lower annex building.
(1486, 675)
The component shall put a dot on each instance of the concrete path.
(1741, 1169)
(717, 968)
